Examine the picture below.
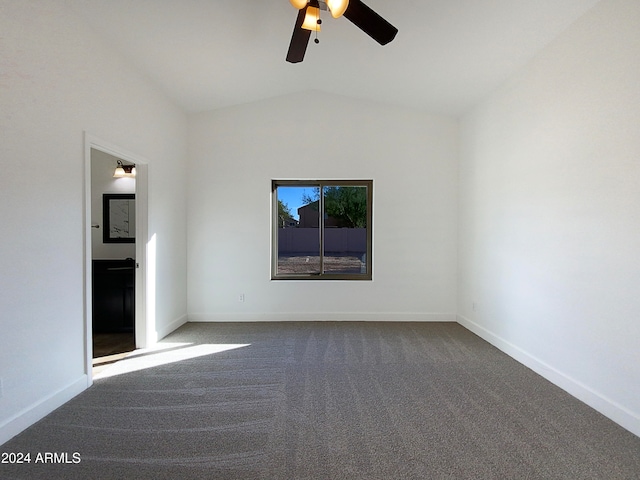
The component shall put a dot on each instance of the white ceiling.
(448, 54)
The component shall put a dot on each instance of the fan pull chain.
(319, 22)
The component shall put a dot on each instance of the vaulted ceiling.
(447, 56)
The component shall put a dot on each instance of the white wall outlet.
(474, 306)
(241, 297)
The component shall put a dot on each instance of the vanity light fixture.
(123, 170)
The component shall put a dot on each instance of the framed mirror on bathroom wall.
(119, 217)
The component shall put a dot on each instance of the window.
(322, 229)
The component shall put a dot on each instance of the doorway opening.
(116, 219)
(113, 258)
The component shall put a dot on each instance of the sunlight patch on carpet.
(163, 354)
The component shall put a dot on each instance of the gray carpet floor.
(328, 401)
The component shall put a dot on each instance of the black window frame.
(321, 275)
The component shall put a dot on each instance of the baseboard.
(30, 415)
(609, 408)
(167, 329)
(323, 317)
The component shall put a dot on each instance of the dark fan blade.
(299, 39)
(370, 22)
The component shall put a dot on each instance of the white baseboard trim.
(30, 415)
(167, 329)
(609, 408)
(322, 317)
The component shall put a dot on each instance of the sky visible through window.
(292, 197)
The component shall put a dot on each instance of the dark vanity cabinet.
(113, 295)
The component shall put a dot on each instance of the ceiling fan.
(354, 10)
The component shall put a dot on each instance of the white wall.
(102, 181)
(234, 154)
(57, 81)
(550, 213)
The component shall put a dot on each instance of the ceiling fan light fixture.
(337, 7)
(311, 19)
(308, 20)
(299, 4)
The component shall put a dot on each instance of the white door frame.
(142, 329)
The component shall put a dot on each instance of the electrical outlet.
(474, 306)
(241, 297)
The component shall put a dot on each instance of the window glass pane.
(298, 230)
(345, 229)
